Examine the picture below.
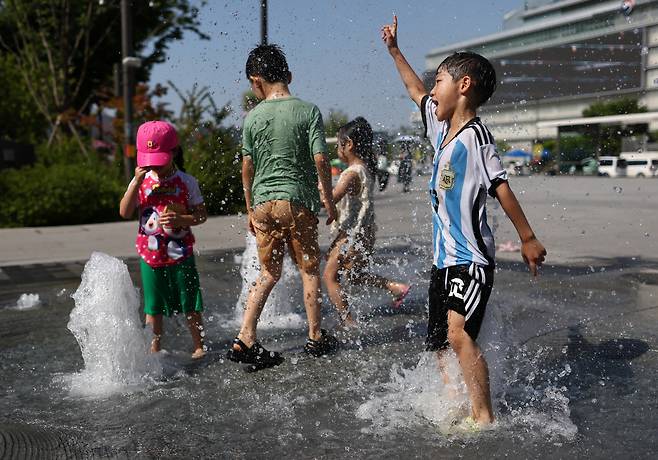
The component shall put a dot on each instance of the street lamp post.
(263, 22)
(128, 63)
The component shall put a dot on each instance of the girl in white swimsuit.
(347, 259)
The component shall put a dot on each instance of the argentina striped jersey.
(464, 171)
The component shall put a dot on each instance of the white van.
(612, 167)
(640, 164)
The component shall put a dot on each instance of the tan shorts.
(279, 223)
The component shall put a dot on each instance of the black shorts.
(464, 289)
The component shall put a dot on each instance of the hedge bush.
(213, 159)
(59, 194)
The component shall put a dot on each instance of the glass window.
(611, 62)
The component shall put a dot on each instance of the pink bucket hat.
(155, 142)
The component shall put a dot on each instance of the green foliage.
(213, 159)
(65, 152)
(60, 194)
(249, 100)
(616, 107)
(334, 121)
(503, 147)
(576, 147)
(19, 118)
(210, 151)
(65, 51)
(595, 140)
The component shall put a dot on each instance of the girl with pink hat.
(169, 203)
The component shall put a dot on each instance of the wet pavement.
(573, 356)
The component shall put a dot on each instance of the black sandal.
(256, 354)
(326, 345)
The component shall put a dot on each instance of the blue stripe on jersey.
(459, 163)
(439, 139)
(437, 226)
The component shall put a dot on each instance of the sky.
(333, 47)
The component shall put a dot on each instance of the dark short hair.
(269, 63)
(477, 67)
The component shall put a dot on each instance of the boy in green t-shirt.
(284, 153)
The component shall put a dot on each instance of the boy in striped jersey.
(466, 167)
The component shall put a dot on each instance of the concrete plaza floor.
(579, 220)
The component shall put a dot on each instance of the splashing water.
(106, 324)
(27, 302)
(417, 395)
(522, 404)
(283, 303)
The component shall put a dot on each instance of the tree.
(211, 154)
(616, 107)
(334, 121)
(65, 50)
(19, 118)
(249, 101)
(144, 109)
(607, 139)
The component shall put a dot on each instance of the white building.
(554, 58)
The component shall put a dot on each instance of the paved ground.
(581, 221)
(574, 350)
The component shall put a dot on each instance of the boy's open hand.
(390, 33)
(533, 253)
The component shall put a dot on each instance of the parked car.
(640, 164)
(586, 167)
(612, 166)
(590, 166)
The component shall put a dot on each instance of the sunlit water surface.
(573, 368)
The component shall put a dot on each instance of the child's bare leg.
(312, 302)
(155, 321)
(474, 367)
(331, 279)
(368, 279)
(441, 358)
(396, 288)
(256, 301)
(195, 323)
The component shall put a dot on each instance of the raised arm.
(129, 201)
(411, 81)
(532, 250)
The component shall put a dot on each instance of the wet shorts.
(278, 223)
(464, 289)
(171, 289)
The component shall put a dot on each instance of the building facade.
(554, 58)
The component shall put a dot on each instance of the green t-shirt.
(282, 136)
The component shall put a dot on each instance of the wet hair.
(360, 132)
(179, 160)
(268, 62)
(477, 67)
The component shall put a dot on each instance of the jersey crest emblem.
(447, 181)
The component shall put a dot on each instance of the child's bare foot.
(198, 353)
(155, 345)
(399, 292)
(347, 321)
